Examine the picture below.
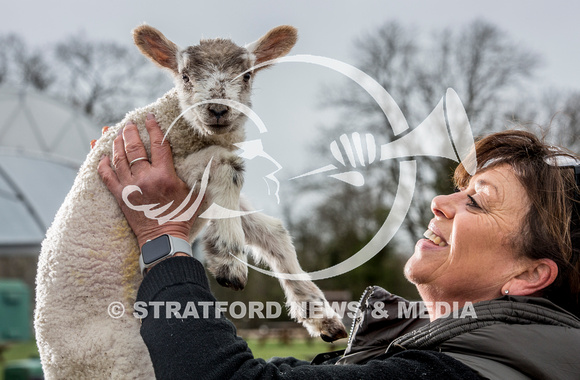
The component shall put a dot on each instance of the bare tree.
(479, 61)
(568, 125)
(487, 68)
(555, 116)
(103, 79)
(4, 60)
(21, 67)
(106, 79)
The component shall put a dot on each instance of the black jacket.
(208, 348)
(505, 338)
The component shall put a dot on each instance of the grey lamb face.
(212, 77)
(214, 70)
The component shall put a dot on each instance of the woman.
(504, 248)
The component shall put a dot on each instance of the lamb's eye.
(247, 76)
(185, 78)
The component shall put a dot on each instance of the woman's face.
(468, 255)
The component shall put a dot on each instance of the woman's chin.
(426, 259)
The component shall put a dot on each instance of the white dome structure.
(42, 144)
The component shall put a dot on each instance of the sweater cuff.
(170, 272)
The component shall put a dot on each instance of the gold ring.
(137, 159)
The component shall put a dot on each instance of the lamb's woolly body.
(89, 259)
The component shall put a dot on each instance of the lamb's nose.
(218, 110)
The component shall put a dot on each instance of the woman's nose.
(444, 206)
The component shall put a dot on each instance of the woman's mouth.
(435, 238)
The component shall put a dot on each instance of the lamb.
(89, 258)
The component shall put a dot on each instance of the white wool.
(89, 259)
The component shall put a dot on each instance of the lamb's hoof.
(326, 338)
(333, 331)
(234, 284)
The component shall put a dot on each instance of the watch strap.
(180, 245)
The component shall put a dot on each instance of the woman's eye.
(247, 76)
(472, 202)
(185, 78)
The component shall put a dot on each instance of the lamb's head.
(214, 69)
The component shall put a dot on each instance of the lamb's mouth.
(435, 238)
(218, 128)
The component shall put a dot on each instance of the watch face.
(155, 249)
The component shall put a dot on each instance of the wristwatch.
(155, 250)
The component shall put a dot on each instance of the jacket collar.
(379, 328)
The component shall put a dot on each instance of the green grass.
(304, 349)
(17, 352)
(301, 349)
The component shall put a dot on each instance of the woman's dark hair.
(551, 228)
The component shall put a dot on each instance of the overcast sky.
(326, 28)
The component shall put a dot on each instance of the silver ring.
(137, 159)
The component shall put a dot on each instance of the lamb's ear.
(274, 44)
(155, 46)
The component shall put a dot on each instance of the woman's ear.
(536, 276)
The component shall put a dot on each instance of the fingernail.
(120, 132)
(150, 116)
(93, 142)
(103, 156)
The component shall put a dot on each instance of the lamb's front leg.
(224, 237)
(272, 245)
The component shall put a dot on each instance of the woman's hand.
(157, 180)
